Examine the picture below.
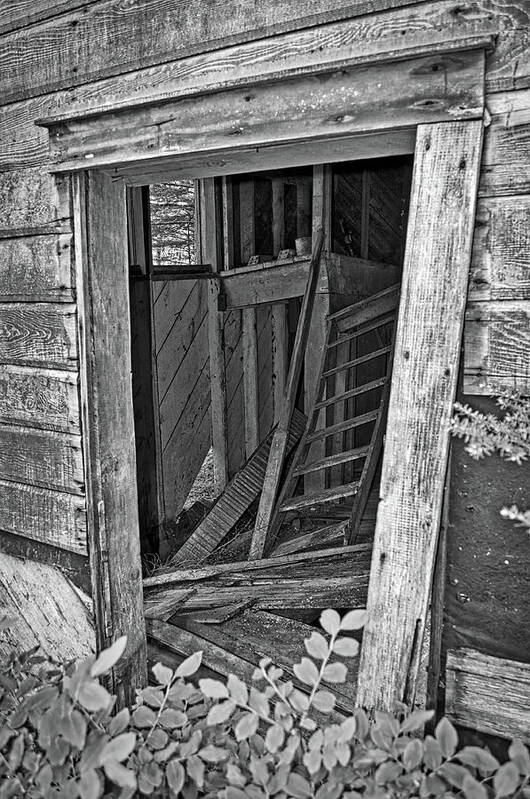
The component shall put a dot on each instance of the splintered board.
(242, 490)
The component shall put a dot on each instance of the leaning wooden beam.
(271, 282)
(281, 434)
(278, 310)
(335, 577)
(249, 331)
(488, 694)
(331, 534)
(433, 299)
(237, 498)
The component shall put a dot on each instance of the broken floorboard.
(336, 577)
(238, 645)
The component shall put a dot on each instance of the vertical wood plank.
(209, 254)
(322, 189)
(249, 322)
(433, 298)
(278, 310)
(108, 423)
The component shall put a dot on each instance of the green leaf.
(446, 736)
(90, 786)
(324, 701)
(233, 792)
(453, 773)
(93, 696)
(173, 719)
(416, 720)
(109, 657)
(143, 717)
(259, 702)
(119, 722)
(157, 739)
(346, 647)
(175, 776)
(387, 773)
(298, 786)
(473, 789)
(506, 780)
(317, 646)
(73, 729)
(213, 689)
(234, 775)
(299, 701)
(163, 674)
(335, 672)
(347, 730)
(190, 665)
(354, 620)
(195, 769)
(306, 671)
(246, 726)
(330, 621)
(220, 713)
(154, 697)
(520, 756)
(432, 754)
(237, 689)
(312, 760)
(118, 774)
(119, 748)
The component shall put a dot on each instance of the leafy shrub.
(59, 737)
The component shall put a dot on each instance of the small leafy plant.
(278, 738)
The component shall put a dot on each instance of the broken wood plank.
(321, 497)
(270, 282)
(361, 312)
(236, 499)
(335, 577)
(281, 434)
(331, 534)
(436, 267)
(488, 694)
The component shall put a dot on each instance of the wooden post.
(278, 310)
(108, 423)
(317, 334)
(209, 254)
(433, 299)
(249, 320)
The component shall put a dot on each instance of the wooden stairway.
(347, 421)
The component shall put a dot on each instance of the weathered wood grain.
(427, 350)
(108, 422)
(53, 517)
(313, 579)
(32, 200)
(47, 610)
(41, 458)
(497, 347)
(500, 265)
(73, 565)
(41, 398)
(507, 144)
(38, 334)
(265, 283)
(84, 46)
(36, 268)
(388, 96)
(488, 694)
(22, 13)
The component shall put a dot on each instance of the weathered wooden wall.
(70, 55)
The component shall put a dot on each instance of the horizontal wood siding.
(41, 458)
(36, 268)
(32, 201)
(52, 517)
(38, 334)
(46, 399)
(488, 694)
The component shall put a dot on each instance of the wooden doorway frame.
(441, 221)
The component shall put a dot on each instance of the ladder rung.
(332, 460)
(385, 320)
(347, 424)
(362, 359)
(327, 495)
(353, 392)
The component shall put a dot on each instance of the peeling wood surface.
(52, 517)
(32, 199)
(36, 268)
(22, 13)
(41, 458)
(38, 334)
(507, 144)
(432, 306)
(500, 265)
(497, 347)
(386, 96)
(488, 694)
(41, 398)
(47, 609)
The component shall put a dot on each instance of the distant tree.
(173, 223)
